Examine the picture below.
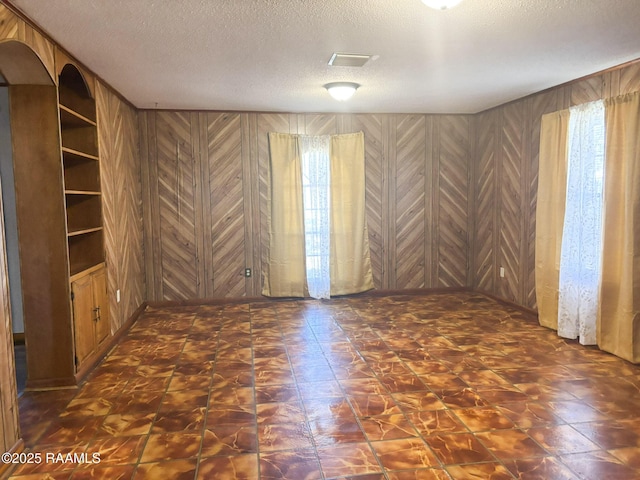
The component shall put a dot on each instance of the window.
(599, 287)
(581, 250)
(316, 217)
(316, 198)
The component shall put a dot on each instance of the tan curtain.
(552, 186)
(284, 275)
(619, 319)
(350, 261)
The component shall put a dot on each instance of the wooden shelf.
(77, 268)
(78, 153)
(83, 208)
(78, 102)
(73, 233)
(81, 174)
(83, 211)
(71, 119)
(89, 270)
(82, 192)
(81, 140)
(85, 250)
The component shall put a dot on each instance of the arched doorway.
(29, 147)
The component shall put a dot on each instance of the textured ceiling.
(271, 55)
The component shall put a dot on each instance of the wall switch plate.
(118, 295)
(501, 272)
(247, 272)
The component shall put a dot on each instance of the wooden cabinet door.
(101, 304)
(82, 292)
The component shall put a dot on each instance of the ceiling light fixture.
(441, 4)
(341, 91)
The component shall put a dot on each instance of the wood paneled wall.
(205, 181)
(505, 170)
(449, 198)
(122, 206)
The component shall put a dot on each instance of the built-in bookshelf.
(81, 165)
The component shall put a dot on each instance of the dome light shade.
(441, 4)
(341, 91)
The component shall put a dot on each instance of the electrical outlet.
(118, 295)
(247, 272)
(501, 272)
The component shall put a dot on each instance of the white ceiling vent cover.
(348, 60)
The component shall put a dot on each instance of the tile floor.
(442, 386)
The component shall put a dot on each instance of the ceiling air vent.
(348, 60)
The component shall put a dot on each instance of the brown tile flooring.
(402, 387)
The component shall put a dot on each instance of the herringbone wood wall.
(201, 179)
(122, 204)
(207, 176)
(506, 181)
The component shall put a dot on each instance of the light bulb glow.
(441, 4)
(341, 91)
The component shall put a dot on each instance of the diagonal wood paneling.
(150, 205)
(453, 235)
(320, 124)
(131, 266)
(41, 45)
(410, 201)
(177, 205)
(226, 204)
(108, 129)
(513, 162)
(587, 90)
(629, 79)
(422, 192)
(372, 127)
(511, 215)
(122, 204)
(8, 24)
(485, 204)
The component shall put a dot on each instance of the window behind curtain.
(334, 176)
(581, 251)
(316, 188)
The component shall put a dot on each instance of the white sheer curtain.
(316, 174)
(581, 250)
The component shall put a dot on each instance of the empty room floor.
(439, 386)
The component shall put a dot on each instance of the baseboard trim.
(195, 302)
(369, 293)
(240, 300)
(508, 303)
(411, 291)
